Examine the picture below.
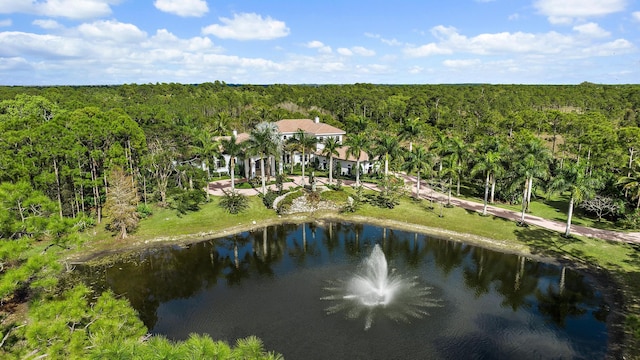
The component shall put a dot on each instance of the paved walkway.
(216, 188)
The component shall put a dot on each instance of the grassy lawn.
(166, 224)
(553, 207)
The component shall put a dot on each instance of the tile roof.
(288, 126)
(342, 155)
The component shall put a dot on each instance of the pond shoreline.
(601, 278)
(89, 256)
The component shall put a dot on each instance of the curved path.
(216, 188)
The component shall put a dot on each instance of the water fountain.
(373, 289)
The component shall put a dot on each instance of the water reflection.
(269, 283)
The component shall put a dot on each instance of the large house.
(287, 128)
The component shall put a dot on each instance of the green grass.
(553, 207)
(166, 223)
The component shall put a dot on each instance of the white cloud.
(362, 51)
(427, 50)
(112, 30)
(47, 24)
(390, 42)
(584, 42)
(416, 70)
(315, 44)
(345, 52)
(561, 11)
(356, 50)
(73, 9)
(499, 43)
(592, 30)
(184, 8)
(461, 63)
(116, 52)
(15, 43)
(618, 46)
(514, 17)
(247, 26)
(5, 22)
(636, 15)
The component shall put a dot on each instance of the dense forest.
(63, 141)
(62, 149)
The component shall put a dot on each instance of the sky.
(107, 42)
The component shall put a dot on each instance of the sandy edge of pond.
(601, 278)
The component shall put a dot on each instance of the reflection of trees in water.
(163, 274)
(304, 244)
(518, 281)
(569, 297)
(160, 275)
(414, 251)
(447, 254)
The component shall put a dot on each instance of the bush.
(255, 181)
(144, 211)
(234, 202)
(188, 200)
(269, 198)
(631, 221)
(354, 203)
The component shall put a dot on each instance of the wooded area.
(64, 150)
(64, 141)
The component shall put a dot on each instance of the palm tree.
(419, 160)
(388, 148)
(489, 163)
(493, 144)
(541, 157)
(439, 147)
(458, 151)
(356, 144)
(527, 170)
(220, 123)
(303, 142)
(411, 130)
(449, 171)
(264, 141)
(631, 183)
(580, 186)
(234, 149)
(205, 148)
(331, 146)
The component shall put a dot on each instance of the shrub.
(269, 198)
(255, 181)
(188, 200)
(144, 211)
(351, 206)
(234, 202)
(631, 221)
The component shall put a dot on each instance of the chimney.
(316, 120)
(235, 133)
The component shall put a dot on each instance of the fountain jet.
(374, 289)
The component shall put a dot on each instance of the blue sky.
(97, 42)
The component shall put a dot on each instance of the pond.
(291, 285)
